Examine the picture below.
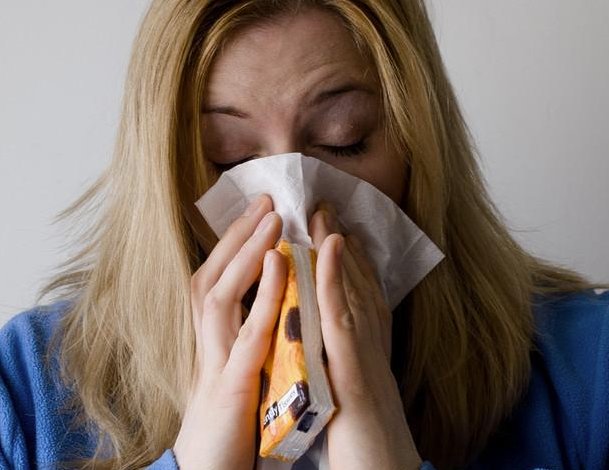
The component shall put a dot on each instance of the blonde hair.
(461, 339)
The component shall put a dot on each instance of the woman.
(149, 363)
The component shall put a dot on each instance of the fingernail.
(264, 223)
(255, 204)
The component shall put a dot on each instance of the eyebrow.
(316, 101)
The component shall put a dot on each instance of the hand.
(369, 429)
(219, 425)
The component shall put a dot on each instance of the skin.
(310, 54)
(253, 110)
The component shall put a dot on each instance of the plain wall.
(532, 78)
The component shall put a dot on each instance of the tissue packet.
(296, 399)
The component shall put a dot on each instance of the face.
(299, 85)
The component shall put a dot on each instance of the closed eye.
(347, 150)
(338, 151)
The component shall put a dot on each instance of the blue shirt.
(562, 422)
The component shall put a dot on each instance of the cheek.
(389, 177)
(382, 170)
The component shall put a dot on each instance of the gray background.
(532, 78)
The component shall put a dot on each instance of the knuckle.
(247, 333)
(341, 319)
(213, 302)
(238, 226)
(356, 299)
(345, 319)
(199, 281)
(335, 282)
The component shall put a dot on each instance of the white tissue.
(401, 253)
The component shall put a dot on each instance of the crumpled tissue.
(400, 252)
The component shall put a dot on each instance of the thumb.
(337, 323)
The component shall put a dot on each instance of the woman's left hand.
(369, 429)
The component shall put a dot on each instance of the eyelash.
(345, 151)
(348, 150)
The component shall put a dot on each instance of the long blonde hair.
(461, 339)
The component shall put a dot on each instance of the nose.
(279, 144)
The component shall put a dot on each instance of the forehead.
(286, 58)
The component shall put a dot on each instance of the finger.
(356, 248)
(230, 243)
(337, 323)
(318, 229)
(224, 251)
(252, 344)
(358, 295)
(222, 309)
(323, 223)
(382, 310)
(243, 270)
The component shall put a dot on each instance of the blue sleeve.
(427, 466)
(562, 419)
(13, 450)
(167, 461)
(36, 429)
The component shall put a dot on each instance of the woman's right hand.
(219, 425)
